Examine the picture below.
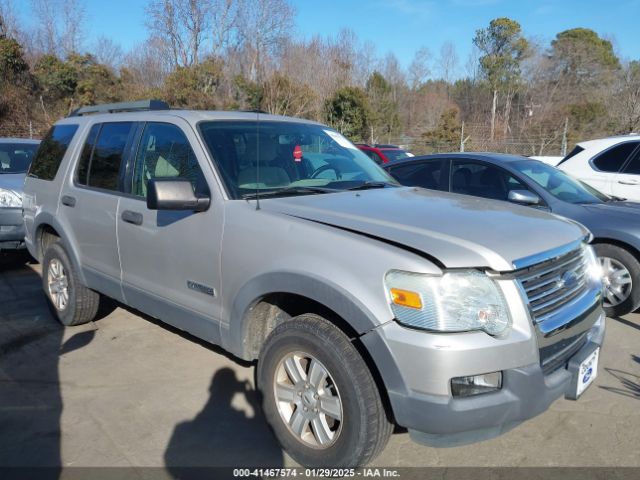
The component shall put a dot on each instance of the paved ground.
(126, 390)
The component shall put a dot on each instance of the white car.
(611, 165)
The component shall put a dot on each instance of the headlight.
(593, 265)
(454, 302)
(9, 198)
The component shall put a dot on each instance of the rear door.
(627, 183)
(170, 259)
(89, 202)
(605, 167)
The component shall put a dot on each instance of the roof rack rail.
(121, 107)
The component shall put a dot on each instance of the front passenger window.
(165, 152)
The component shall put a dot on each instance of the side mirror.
(174, 194)
(524, 197)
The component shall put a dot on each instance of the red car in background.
(383, 153)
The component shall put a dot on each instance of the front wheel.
(621, 279)
(319, 396)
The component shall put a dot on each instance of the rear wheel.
(71, 302)
(319, 395)
(621, 279)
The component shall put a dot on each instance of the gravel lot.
(128, 391)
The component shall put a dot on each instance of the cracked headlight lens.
(454, 302)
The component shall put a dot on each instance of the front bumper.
(442, 420)
(11, 228)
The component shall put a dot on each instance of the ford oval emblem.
(568, 279)
(587, 375)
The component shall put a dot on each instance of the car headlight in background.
(9, 199)
(454, 302)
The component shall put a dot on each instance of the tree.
(283, 96)
(348, 112)
(59, 26)
(447, 134)
(384, 111)
(627, 98)
(184, 26)
(419, 69)
(502, 47)
(583, 62)
(194, 86)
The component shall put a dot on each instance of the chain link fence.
(30, 129)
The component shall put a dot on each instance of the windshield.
(559, 184)
(396, 154)
(273, 156)
(16, 157)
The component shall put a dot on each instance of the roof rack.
(121, 107)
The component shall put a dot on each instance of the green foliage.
(194, 86)
(56, 78)
(12, 63)
(503, 47)
(282, 96)
(248, 93)
(447, 133)
(348, 112)
(384, 110)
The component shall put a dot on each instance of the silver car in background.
(15, 157)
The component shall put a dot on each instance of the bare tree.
(419, 69)
(72, 33)
(262, 28)
(223, 16)
(46, 35)
(8, 19)
(108, 52)
(182, 26)
(448, 62)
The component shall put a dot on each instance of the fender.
(321, 290)
(49, 219)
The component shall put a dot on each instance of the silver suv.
(365, 304)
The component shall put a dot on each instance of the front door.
(170, 259)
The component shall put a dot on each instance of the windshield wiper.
(370, 184)
(296, 190)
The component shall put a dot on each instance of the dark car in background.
(383, 153)
(15, 158)
(614, 223)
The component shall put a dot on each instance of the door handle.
(68, 201)
(628, 182)
(134, 218)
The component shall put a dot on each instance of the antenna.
(257, 160)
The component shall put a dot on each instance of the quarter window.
(613, 159)
(51, 152)
(165, 152)
(633, 168)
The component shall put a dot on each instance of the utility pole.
(462, 139)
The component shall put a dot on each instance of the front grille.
(557, 355)
(552, 284)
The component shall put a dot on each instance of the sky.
(403, 26)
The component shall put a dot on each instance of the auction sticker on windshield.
(340, 140)
(587, 372)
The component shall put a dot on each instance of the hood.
(457, 230)
(13, 181)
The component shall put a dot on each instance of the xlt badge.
(198, 287)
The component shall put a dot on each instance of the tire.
(363, 429)
(612, 258)
(59, 276)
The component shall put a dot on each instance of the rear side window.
(49, 156)
(102, 155)
(421, 174)
(613, 159)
